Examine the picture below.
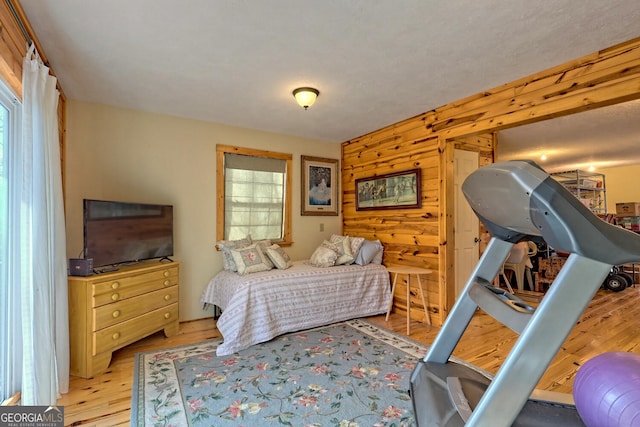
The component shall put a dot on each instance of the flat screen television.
(121, 232)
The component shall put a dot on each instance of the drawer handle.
(167, 282)
(167, 315)
(115, 336)
(167, 297)
(116, 314)
(166, 274)
(114, 297)
(115, 285)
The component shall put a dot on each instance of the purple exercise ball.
(607, 390)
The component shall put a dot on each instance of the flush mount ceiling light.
(306, 96)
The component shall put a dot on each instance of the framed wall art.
(319, 186)
(390, 191)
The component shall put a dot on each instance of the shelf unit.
(589, 187)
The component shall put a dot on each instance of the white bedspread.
(260, 306)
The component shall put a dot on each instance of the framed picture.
(319, 186)
(391, 191)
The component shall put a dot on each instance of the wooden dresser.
(110, 310)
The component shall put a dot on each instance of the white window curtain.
(37, 245)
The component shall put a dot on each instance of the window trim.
(220, 187)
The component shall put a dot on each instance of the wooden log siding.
(604, 78)
(13, 48)
(425, 237)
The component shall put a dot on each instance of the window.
(10, 110)
(254, 194)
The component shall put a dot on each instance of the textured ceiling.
(236, 62)
(602, 138)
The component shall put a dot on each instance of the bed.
(260, 306)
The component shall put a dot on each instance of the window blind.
(254, 197)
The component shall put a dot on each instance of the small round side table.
(409, 271)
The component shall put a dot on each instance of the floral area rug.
(351, 374)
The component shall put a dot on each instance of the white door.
(466, 222)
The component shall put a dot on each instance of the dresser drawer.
(110, 314)
(119, 288)
(123, 333)
(110, 310)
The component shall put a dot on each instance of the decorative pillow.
(356, 244)
(278, 257)
(345, 256)
(325, 255)
(225, 246)
(250, 259)
(264, 244)
(370, 252)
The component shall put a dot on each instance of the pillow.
(325, 255)
(225, 246)
(378, 258)
(278, 257)
(250, 259)
(264, 244)
(370, 252)
(356, 244)
(345, 256)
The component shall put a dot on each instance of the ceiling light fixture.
(306, 96)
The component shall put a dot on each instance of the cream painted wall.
(622, 185)
(125, 155)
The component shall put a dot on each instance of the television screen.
(121, 232)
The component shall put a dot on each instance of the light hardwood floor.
(611, 323)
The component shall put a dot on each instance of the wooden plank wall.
(13, 48)
(425, 237)
(410, 236)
